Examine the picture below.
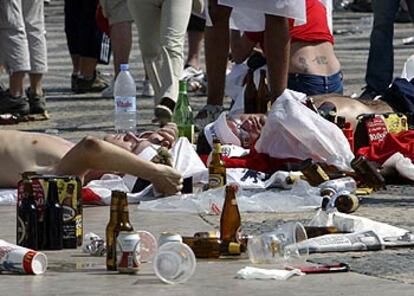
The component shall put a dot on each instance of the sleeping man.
(88, 159)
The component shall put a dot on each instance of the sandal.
(164, 111)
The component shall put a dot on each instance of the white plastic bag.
(408, 70)
(292, 130)
(400, 165)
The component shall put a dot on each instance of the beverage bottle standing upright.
(112, 231)
(216, 170)
(183, 114)
(250, 93)
(125, 93)
(27, 219)
(263, 94)
(53, 218)
(230, 220)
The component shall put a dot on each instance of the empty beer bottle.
(216, 170)
(112, 231)
(183, 114)
(53, 218)
(367, 172)
(346, 202)
(262, 99)
(230, 220)
(314, 174)
(27, 230)
(124, 224)
(250, 93)
(212, 247)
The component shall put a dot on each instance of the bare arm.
(95, 154)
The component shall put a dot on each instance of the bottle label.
(125, 104)
(215, 181)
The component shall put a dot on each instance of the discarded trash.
(254, 273)
(148, 245)
(332, 187)
(94, 245)
(302, 197)
(279, 245)
(22, 260)
(128, 252)
(169, 237)
(174, 263)
(358, 241)
(320, 268)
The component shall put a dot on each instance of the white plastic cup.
(278, 246)
(174, 263)
(22, 260)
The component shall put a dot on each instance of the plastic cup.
(174, 263)
(148, 245)
(278, 246)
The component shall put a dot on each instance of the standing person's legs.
(216, 43)
(277, 41)
(15, 56)
(195, 32)
(217, 39)
(174, 21)
(380, 65)
(35, 29)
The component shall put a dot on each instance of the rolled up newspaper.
(356, 241)
(22, 260)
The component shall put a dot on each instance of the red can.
(128, 251)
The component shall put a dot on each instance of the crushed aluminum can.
(94, 245)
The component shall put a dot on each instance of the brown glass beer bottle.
(216, 169)
(112, 231)
(212, 247)
(230, 220)
(262, 99)
(314, 174)
(124, 224)
(27, 227)
(53, 218)
(250, 94)
(367, 172)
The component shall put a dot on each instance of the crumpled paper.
(254, 273)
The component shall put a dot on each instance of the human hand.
(167, 180)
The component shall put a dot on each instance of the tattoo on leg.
(304, 64)
(320, 60)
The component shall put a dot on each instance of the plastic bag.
(408, 70)
(292, 130)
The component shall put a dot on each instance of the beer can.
(168, 237)
(22, 260)
(128, 251)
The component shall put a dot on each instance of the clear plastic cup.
(148, 245)
(174, 263)
(278, 246)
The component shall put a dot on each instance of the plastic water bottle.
(125, 93)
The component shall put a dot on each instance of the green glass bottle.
(183, 114)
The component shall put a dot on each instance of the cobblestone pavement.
(74, 116)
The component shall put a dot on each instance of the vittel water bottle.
(125, 101)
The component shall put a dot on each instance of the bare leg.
(95, 154)
(87, 67)
(216, 50)
(36, 83)
(16, 84)
(277, 42)
(75, 64)
(195, 39)
(121, 38)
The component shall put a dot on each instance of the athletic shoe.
(37, 102)
(13, 105)
(192, 73)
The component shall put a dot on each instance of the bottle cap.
(124, 67)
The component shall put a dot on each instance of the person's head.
(164, 136)
(242, 132)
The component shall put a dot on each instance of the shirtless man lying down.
(47, 154)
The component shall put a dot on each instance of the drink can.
(128, 251)
(22, 260)
(168, 237)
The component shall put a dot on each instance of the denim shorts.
(316, 84)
